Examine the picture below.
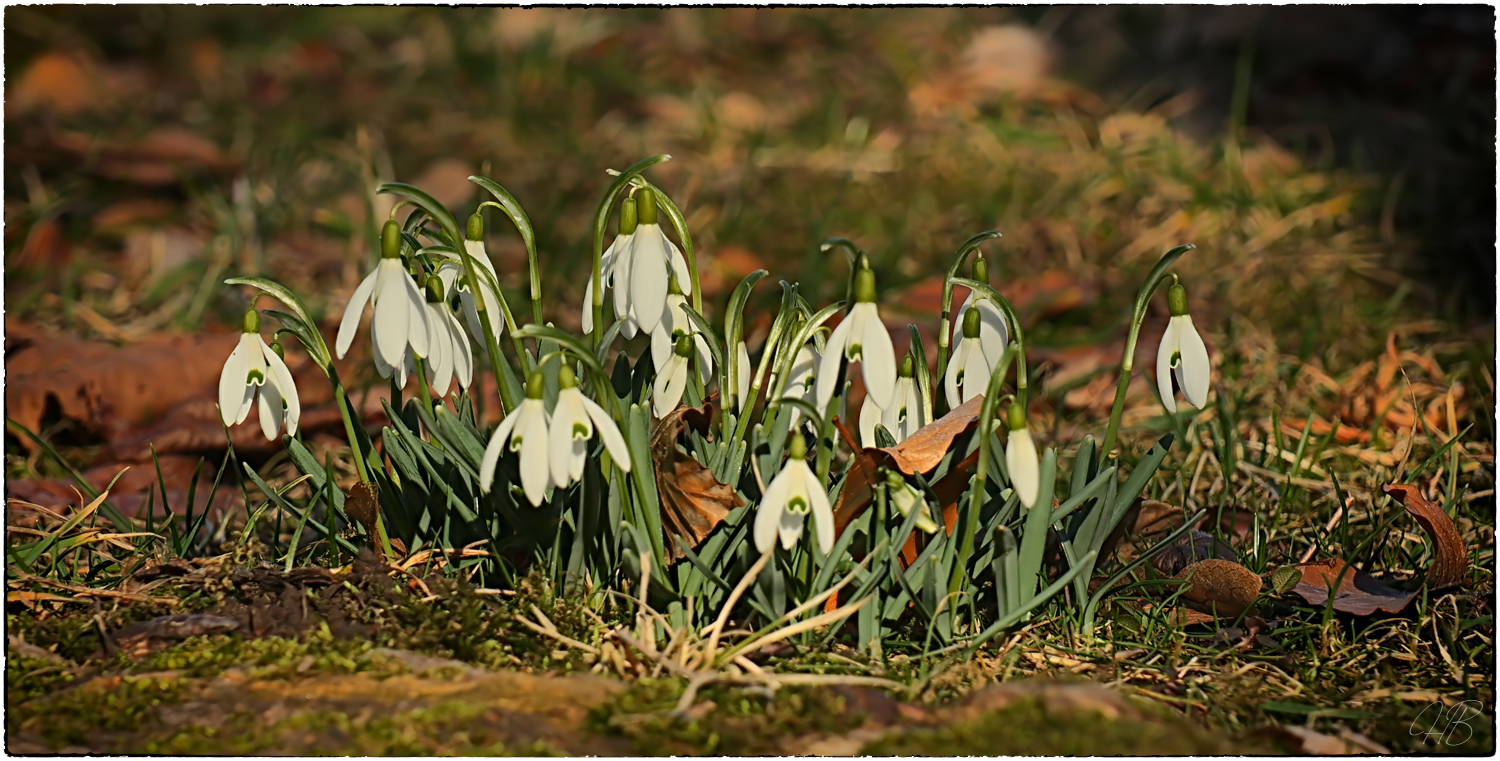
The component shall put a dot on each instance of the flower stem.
(347, 412)
(986, 433)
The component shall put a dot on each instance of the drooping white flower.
(646, 283)
(524, 430)
(903, 418)
(968, 374)
(1183, 354)
(906, 499)
(790, 496)
(574, 420)
(451, 356)
(675, 324)
(801, 379)
(994, 331)
(616, 257)
(672, 379)
(1021, 458)
(742, 377)
(255, 371)
(400, 311)
(862, 338)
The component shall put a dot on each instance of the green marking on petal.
(856, 352)
(797, 505)
(515, 443)
(958, 379)
(255, 378)
(1175, 360)
(580, 431)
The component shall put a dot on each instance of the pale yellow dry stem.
(734, 596)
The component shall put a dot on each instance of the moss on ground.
(96, 712)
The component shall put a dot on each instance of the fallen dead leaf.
(1357, 592)
(693, 502)
(1452, 557)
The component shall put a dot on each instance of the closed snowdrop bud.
(906, 498)
(790, 496)
(400, 311)
(969, 373)
(994, 332)
(614, 272)
(474, 246)
(524, 430)
(801, 380)
(861, 338)
(1182, 353)
(574, 420)
(1021, 458)
(650, 256)
(672, 380)
(256, 371)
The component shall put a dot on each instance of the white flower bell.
(790, 496)
(862, 338)
(255, 370)
(524, 430)
(644, 276)
(615, 259)
(903, 418)
(1021, 458)
(474, 246)
(742, 377)
(671, 380)
(400, 311)
(574, 421)
(800, 380)
(906, 499)
(451, 356)
(1183, 354)
(994, 331)
(968, 373)
(675, 324)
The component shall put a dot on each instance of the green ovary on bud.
(684, 347)
(566, 378)
(252, 321)
(971, 323)
(280, 352)
(628, 219)
(474, 230)
(797, 450)
(908, 367)
(1177, 299)
(434, 290)
(981, 269)
(864, 286)
(1016, 417)
(673, 288)
(390, 240)
(535, 385)
(647, 206)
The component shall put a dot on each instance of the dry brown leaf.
(158, 158)
(1452, 557)
(1357, 592)
(1190, 548)
(1220, 586)
(362, 503)
(1181, 617)
(693, 502)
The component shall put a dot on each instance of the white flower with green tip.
(994, 331)
(903, 418)
(1021, 458)
(574, 421)
(1182, 354)
(968, 374)
(614, 269)
(861, 338)
(801, 379)
(674, 325)
(451, 356)
(524, 430)
(400, 321)
(255, 371)
(642, 276)
(743, 375)
(790, 496)
(906, 498)
(671, 380)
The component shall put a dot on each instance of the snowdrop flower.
(1182, 353)
(474, 246)
(862, 338)
(451, 356)
(616, 258)
(675, 324)
(256, 370)
(643, 278)
(525, 431)
(400, 311)
(801, 379)
(790, 496)
(994, 331)
(574, 420)
(672, 379)
(903, 418)
(906, 498)
(969, 371)
(742, 372)
(1021, 458)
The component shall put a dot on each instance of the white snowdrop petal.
(879, 362)
(1194, 369)
(270, 410)
(392, 314)
(623, 256)
(355, 309)
(950, 375)
(614, 443)
(743, 372)
(463, 356)
(790, 528)
(1164, 365)
(232, 385)
(498, 441)
(419, 333)
(768, 515)
(286, 387)
(822, 512)
(828, 365)
(567, 415)
(648, 275)
(680, 268)
(1021, 461)
(994, 334)
(532, 427)
(976, 372)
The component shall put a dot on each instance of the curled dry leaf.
(1148, 521)
(1452, 557)
(693, 502)
(362, 503)
(1220, 586)
(1357, 592)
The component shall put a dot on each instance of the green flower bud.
(981, 269)
(434, 290)
(252, 321)
(535, 384)
(908, 367)
(1177, 300)
(864, 286)
(474, 230)
(971, 323)
(628, 220)
(566, 378)
(1017, 417)
(390, 240)
(280, 352)
(798, 448)
(684, 347)
(647, 206)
